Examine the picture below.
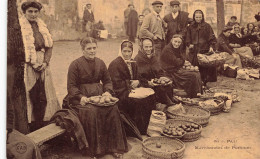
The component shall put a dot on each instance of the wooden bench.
(46, 133)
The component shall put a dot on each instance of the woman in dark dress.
(149, 68)
(250, 39)
(102, 125)
(172, 62)
(201, 39)
(124, 75)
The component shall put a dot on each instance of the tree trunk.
(16, 97)
(220, 15)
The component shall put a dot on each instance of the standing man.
(126, 14)
(132, 24)
(88, 20)
(153, 27)
(177, 21)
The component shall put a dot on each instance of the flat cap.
(157, 2)
(227, 28)
(175, 2)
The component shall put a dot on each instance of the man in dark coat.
(177, 21)
(88, 19)
(132, 24)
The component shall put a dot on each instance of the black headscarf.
(195, 24)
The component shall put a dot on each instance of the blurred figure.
(232, 22)
(126, 14)
(88, 20)
(132, 24)
(140, 22)
(98, 27)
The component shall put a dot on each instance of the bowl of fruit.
(103, 100)
(173, 131)
(162, 81)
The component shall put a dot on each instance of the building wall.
(64, 17)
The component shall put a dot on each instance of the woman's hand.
(106, 94)
(43, 67)
(211, 49)
(134, 83)
(150, 84)
(83, 100)
(191, 46)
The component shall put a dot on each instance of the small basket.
(216, 110)
(189, 136)
(170, 149)
(195, 114)
(216, 62)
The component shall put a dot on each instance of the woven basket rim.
(164, 138)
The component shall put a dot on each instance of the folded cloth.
(68, 119)
(141, 93)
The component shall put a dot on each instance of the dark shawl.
(234, 39)
(148, 68)
(132, 23)
(171, 59)
(120, 76)
(83, 71)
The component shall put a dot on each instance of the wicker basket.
(189, 136)
(216, 110)
(195, 114)
(170, 148)
(210, 63)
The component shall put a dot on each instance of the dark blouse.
(148, 68)
(234, 39)
(223, 44)
(84, 71)
(171, 59)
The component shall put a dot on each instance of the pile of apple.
(162, 81)
(188, 66)
(101, 100)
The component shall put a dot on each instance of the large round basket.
(195, 114)
(163, 148)
(189, 136)
(216, 110)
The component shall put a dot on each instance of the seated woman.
(236, 42)
(102, 125)
(149, 68)
(250, 39)
(172, 62)
(232, 58)
(124, 75)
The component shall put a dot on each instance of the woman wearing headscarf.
(41, 97)
(250, 39)
(102, 125)
(172, 62)
(124, 74)
(149, 68)
(201, 39)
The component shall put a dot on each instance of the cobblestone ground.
(229, 131)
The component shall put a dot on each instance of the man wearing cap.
(88, 19)
(153, 27)
(177, 21)
(232, 57)
(232, 22)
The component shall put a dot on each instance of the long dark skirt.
(208, 74)
(164, 94)
(139, 110)
(187, 80)
(103, 129)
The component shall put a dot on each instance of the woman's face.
(90, 50)
(198, 17)
(176, 42)
(236, 30)
(127, 53)
(245, 31)
(250, 26)
(148, 47)
(31, 14)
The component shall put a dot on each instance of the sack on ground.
(156, 124)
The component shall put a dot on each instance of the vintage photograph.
(133, 79)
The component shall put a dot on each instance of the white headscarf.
(120, 52)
